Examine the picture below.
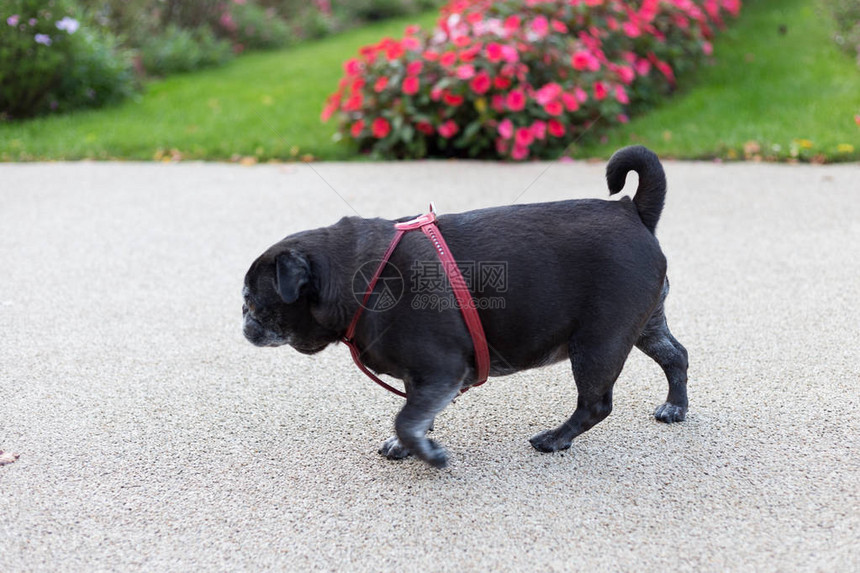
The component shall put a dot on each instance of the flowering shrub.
(518, 80)
(51, 61)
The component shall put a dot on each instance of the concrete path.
(153, 437)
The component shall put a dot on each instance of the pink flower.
(414, 68)
(516, 100)
(523, 136)
(519, 152)
(448, 129)
(555, 128)
(509, 54)
(501, 146)
(411, 43)
(622, 118)
(569, 101)
(580, 94)
(13, 20)
(497, 102)
(466, 71)
(626, 74)
(380, 84)
(410, 85)
(539, 129)
(621, 95)
(480, 84)
(540, 26)
(559, 26)
(707, 48)
(600, 91)
(506, 129)
(554, 108)
(631, 29)
(357, 127)
(380, 127)
(448, 59)
(584, 60)
(548, 93)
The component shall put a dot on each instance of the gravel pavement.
(153, 437)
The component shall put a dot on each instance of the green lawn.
(264, 105)
(777, 94)
(769, 94)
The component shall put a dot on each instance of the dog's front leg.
(425, 399)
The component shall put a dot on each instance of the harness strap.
(427, 224)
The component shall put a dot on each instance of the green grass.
(264, 105)
(769, 95)
(782, 96)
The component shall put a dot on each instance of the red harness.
(427, 223)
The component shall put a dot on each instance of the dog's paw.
(670, 413)
(393, 449)
(435, 455)
(548, 441)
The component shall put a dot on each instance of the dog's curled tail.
(651, 192)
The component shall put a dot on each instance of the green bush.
(846, 15)
(252, 27)
(52, 59)
(181, 50)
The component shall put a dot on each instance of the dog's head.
(280, 294)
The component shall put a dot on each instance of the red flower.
(352, 67)
(857, 119)
(555, 128)
(448, 129)
(516, 100)
(356, 128)
(554, 108)
(559, 26)
(501, 83)
(480, 84)
(497, 102)
(430, 55)
(394, 51)
(380, 127)
(512, 23)
(410, 85)
(600, 91)
(424, 127)
(354, 102)
(380, 84)
(414, 68)
(452, 99)
(494, 52)
(448, 59)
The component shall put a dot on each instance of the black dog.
(585, 280)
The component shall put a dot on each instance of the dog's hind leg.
(657, 342)
(423, 402)
(595, 369)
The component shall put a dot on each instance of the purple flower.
(32, 21)
(43, 39)
(70, 25)
(12, 20)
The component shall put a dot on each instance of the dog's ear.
(292, 272)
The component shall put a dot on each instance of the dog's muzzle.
(257, 334)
